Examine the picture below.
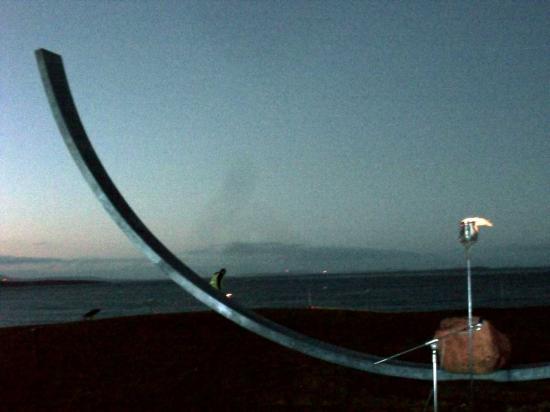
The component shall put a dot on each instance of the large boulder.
(491, 348)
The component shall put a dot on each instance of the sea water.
(386, 292)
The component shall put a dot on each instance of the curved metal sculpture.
(67, 119)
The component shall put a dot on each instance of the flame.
(477, 221)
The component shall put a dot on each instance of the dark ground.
(201, 361)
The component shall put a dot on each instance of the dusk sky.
(272, 135)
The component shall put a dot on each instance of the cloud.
(46, 267)
(503, 255)
(534, 254)
(263, 257)
(25, 260)
(313, 252)
(240, 258)
(527, 248)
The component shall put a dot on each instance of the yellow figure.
(216, 279)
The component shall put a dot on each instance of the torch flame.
(477, 221)
(469, 229)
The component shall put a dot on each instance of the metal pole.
(434, 344)
(434, 369)
(430, 342)
(470, 328)
(470, 305)
(468, 233)
(469, 271)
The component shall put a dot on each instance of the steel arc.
(72, 130)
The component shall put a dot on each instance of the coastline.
(199, 360)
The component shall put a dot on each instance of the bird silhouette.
(90, 314)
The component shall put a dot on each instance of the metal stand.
(468, 234)
(434, 345)
(470, 305)
(470, 334)
(469, 275)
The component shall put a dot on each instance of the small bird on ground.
(90, 314)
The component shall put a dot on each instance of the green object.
(216, 279)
